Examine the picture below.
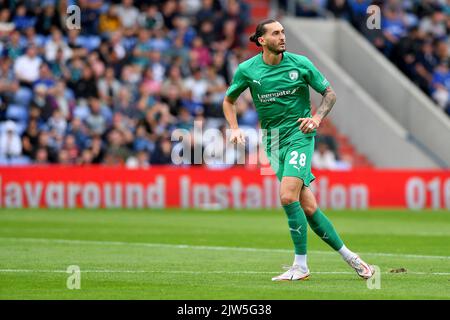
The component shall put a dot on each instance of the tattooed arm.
(307, 125)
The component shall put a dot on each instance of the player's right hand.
(237, 136)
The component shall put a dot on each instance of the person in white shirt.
(197, 84)
(26, 67)
(323, 157)
(128, 15)
(10, 142)
(54, 44)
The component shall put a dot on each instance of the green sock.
(297, 226)
(323, 227)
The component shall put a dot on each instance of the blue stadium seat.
(21, 126)
(90, 42)
(16, 161)
(17, 112)
(20, 161)
(23, 96)
(82, 112)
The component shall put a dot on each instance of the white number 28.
(301, 161)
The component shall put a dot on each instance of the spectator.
(183, 29)
(151, 66)
(21, 19)
(10, 142)
(426, 62)
(151, 19)
(407, 50)
(140, 160)
(128, 15)
(440, 85)
(98, 149)
(42, 157)
(57, 123)
(358, 12)
(13, 48)
(26, 67)
(216, 87)
(141, 52)
(75, 44)
(63, 157)
(108, 87)
(206, 12)
(109, 22)
(30, 139)
(61, 99)
(159, 41)
(45, 142)
(174, 79)
(42, 102)
(149, 84)
(435, 25)
(200, 53)
(97, 65)
(323, 157)
(48, 19)
(117, 152)
(169, 13)
(9, 86)
(142, 140)
(207, 32)
(163, 152)
(197, 85)
(393, 25)
(86, 86)
(158, 66)
(185, 120)
(90, 12)
(339, 8)
(6, 25)
(95, 122)
(45, 78)
(78, 130)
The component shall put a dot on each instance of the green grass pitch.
(195, 254)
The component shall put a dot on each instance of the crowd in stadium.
(414, 35)
(113, 90)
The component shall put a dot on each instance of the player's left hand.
(308, 125)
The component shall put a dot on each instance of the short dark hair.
(260, 30)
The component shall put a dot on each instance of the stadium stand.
(114, 90)
(413, 35)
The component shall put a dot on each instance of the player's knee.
(287, 198)
(309, 208)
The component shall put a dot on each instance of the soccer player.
(279, 83)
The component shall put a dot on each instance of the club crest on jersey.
(293, 75)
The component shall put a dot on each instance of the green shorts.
(294, 160)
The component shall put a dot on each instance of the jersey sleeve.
(314, 77)
(238, 84)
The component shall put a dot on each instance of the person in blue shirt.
(440, 85)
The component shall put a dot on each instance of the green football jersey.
(280, 93)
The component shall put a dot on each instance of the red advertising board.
(239, 187)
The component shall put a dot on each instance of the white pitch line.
(216, 248)
(201, 272)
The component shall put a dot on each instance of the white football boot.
(363, 269)
(293, 273)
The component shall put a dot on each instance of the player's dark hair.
(260, 31)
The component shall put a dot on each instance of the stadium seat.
(23, 96)
(89, 42)
(17, 112)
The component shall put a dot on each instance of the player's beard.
(276, 48)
